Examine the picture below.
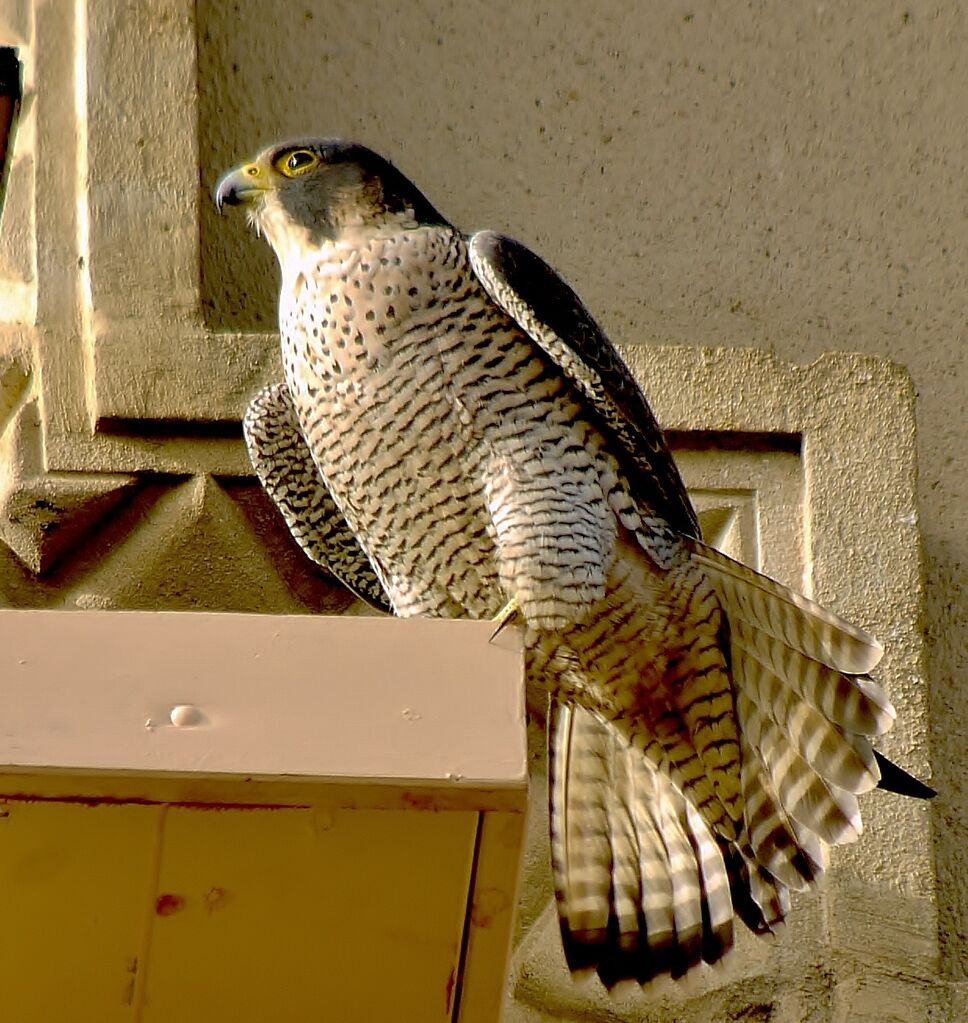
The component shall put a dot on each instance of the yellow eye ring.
(296, 162)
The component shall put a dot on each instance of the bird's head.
(313, 190)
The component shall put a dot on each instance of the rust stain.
(169, 903)
(489, 903)
(449, 990)
(418, 801)
(127, 994)
(216, 898)
(189, 804)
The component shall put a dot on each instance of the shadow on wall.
(10, 95)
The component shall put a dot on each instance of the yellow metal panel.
(75, 885)
(491, 922)
(263, 914)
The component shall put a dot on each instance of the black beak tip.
(226, 195)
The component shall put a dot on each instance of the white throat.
(290, 242)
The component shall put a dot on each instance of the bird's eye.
(297, 162)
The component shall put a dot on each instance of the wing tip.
(895, 779)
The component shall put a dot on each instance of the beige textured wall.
(790, 176)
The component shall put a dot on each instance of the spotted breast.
(440, 431)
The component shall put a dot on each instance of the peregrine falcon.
(455, 436)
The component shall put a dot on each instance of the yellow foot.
(504, 616)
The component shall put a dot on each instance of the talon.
(504, 616)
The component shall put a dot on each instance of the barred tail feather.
(805, 708)
(755, 893)
(793, 859)
(640, 880)
(853, 702)
(828, 811)
(686, 889)
(770, 896)
(845, 759)
(722, 789)
(715, 901)
(787, 616)
(580, 830)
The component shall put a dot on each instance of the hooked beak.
(237, 187)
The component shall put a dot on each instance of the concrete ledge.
(380, 700)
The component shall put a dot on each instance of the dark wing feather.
(544, 306)
(285, 467)
(895, 779)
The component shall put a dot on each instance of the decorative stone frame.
(782, 466)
